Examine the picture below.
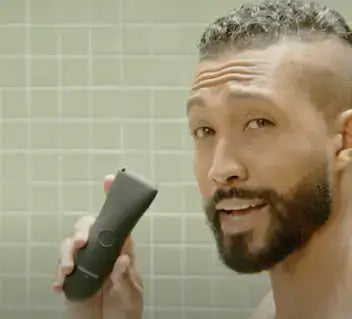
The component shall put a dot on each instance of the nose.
(226, 170)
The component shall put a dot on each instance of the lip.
(242, 211)
(235, 223)
(229, 203)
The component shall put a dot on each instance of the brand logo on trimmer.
(87, 272)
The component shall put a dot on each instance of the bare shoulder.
(266, 308)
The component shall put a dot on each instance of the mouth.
(240, 218)
(242, 210)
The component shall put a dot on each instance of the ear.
(346, 128)
(343, 140)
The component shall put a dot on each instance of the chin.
(249, 254)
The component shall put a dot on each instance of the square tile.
(12, 11)
(75, 71)
(106, 135)
(75, 104)
(164, 296)
(199, 261)
(167, 260)
(43, 260)
(44, 72)
(44, 103)
(75, 135)
(14, 228)
(46, 228)
(15, 196)
(106, 40)
(14, 292)
(75, 198)
(13, 260)
(14, 167)
(74, 40)
(43, 11)
(44, 40)
(106, 71)
(44, 167)
(198, 292)
(170, 104)
(105, 11)
(13, 40)
(50, 140)
(74, 12)
(14, 104)
(137, 135)
(13, 72)
(75, 167)
(45, 198)
(231, 293)
(167, 229)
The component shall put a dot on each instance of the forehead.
(279, 73)
(250, 68)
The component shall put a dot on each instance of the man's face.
(261, 158)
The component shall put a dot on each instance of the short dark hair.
(271, 20)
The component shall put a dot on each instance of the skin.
(230, 97)
(121, 295)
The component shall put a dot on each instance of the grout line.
(59, 152)
(117, 120)
(152, 216)
(104, 25)
(121, 87)
(90, 121)
(29, 159)
(100, 56)
(120, 15)
(153, 177)
(1, 199)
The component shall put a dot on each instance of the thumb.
(108, 180)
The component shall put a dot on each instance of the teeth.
(240, 207)
(236, 204)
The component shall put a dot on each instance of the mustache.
(236, 192)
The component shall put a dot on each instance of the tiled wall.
(87, 86)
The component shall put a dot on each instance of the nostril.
(232, 179)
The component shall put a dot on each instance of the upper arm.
(266, 308)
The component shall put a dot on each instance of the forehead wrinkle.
(256, 72)
(242, 66)
(236, 93)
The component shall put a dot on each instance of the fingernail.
(108, 180)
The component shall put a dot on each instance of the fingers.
(128, 248)
(81, 230)
(69, 248)
(66, 263)
(108, 180)
(126, 281)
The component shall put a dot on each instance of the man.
(270, 114)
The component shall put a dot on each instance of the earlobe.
(343, 141)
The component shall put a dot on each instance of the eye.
(258, 123)
(202, 132)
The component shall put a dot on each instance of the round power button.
(105, 238)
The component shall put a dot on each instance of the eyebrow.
(198, 100)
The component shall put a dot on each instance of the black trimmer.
(129, 197)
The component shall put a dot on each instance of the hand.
(121, 296)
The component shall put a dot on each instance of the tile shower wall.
(87, 86)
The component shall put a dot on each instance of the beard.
(294, 219)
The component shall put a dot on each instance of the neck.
(316, 281)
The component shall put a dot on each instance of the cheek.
(287, 161)
(202, 166)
